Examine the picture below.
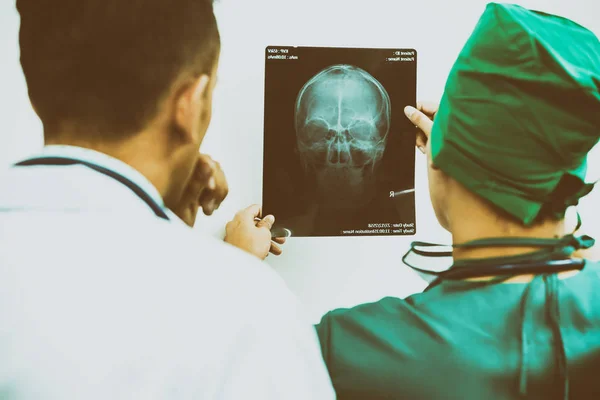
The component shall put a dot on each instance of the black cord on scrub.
(554, 257)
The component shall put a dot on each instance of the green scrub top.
(468, 340)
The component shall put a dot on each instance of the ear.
(189, 105)
(430, 162)
(433, 166)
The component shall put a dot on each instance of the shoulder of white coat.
(259, 292)
(242, 270)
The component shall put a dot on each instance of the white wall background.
(327, 272)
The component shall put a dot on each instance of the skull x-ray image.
(338, 151)
(342, 121)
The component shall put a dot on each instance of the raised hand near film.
(252, 234)
(422, 117)
(206, 188)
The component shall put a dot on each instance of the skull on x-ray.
(342, 122)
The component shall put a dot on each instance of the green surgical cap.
(520, 112)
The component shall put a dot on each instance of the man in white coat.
(105, 291)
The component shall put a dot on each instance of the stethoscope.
(137, 190)
(553, 257)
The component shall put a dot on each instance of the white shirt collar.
(106, 161)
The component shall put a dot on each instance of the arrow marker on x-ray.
(403, 192)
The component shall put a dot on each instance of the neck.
(482, 222)
(139, 152)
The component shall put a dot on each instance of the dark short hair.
(104, 65)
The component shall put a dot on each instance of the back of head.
(520, 112)
(103, 66)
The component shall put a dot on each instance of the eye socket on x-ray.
(339, 105)
(315, 130)
(362, 129)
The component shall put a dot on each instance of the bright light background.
(326, 272)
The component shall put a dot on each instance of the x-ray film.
(339, 154)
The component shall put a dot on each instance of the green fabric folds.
(471, 341)
(520, 111)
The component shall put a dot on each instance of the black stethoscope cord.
(553, 257)
(65, 161)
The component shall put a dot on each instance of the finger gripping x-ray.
(342, 119)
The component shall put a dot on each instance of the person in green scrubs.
(518, 313)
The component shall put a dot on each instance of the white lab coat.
(100, 299)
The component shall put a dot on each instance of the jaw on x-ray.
(342, 120)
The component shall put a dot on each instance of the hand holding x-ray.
(251, 232)
(423, 118)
